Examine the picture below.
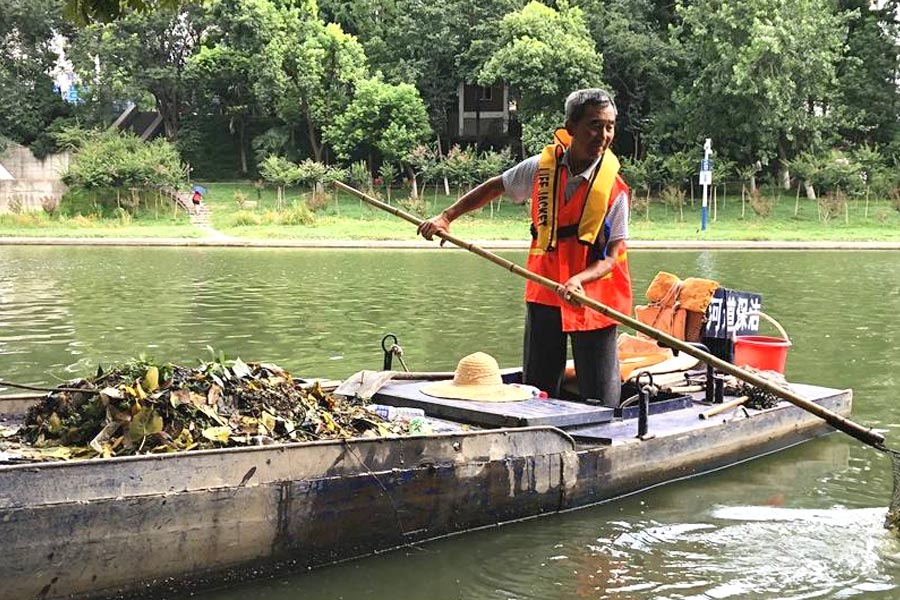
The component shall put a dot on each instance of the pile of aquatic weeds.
(140, 408)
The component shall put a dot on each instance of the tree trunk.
(440, 154)
(242, 129)
(797, 201)
(414, 189)
(167, 105)
(810, 190)
(647, 215)
(314, 143)
(743, 200)
(782, 155)
(715, 203)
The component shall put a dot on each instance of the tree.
(144, 51)
(388, 119)
(27, 101)
(83, 12)
(639, 63)
(309, 71)
(223, 73)
(866, 77)
(543, 54)
(281, 173)
(110, 160)
(762, 75)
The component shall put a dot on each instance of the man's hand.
(433, 225)
(572, 286)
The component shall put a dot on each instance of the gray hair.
(578, 99)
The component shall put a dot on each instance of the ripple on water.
(756, 552)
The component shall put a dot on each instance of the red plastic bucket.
(761, 352)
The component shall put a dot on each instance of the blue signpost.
(706, 166)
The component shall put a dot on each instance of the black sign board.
(729, 314)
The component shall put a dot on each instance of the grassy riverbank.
(342, 217)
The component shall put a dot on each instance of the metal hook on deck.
(390, 352)
(645, 392)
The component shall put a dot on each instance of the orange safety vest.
(566, 237)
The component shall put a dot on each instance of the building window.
(486, 93)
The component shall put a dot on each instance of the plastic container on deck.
(762, 352)
(390, 413)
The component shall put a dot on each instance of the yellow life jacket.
(545, 210)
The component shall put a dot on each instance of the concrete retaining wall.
(33, 179)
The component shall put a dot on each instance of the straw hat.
(477, 377)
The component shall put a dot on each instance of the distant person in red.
(196, 198)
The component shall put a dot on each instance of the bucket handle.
(773, 322)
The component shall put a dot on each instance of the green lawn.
(344, 217)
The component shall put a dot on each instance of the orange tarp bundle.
(697, 293)
(677, 307)
(635, 352)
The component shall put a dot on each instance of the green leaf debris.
(140, 408)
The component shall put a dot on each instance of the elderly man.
(579, 224)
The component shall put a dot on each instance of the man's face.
(593, 132)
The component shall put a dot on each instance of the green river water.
(805, 523)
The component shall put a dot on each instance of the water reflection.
(802, 523)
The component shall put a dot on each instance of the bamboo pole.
(851, 428)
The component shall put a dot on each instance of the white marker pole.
(705, 181)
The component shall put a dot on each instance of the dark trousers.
(544, 360)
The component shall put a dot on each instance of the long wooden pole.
(863, 434)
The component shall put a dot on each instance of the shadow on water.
(805, 523)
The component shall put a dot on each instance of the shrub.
(895, 198)
(673, 197)
(640, 204)
(832, 206)
(29, 219)
(882, 215)
(317, 202)
(123, 216)
(16, 206)
(50, 204)
(83, 221)
(298, 214)
(761, 205)
(244, 217)
(415, 206)
(360, 176)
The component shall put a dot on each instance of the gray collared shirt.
(518, 182)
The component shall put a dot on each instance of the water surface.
(805, 523)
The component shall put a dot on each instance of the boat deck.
(683, 420)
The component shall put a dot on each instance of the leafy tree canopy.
(390, 119)
(28, 103)
(543, 54)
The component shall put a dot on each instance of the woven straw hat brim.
(478, 393)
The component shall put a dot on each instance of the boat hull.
(130, 526)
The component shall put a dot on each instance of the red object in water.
(761, 352)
